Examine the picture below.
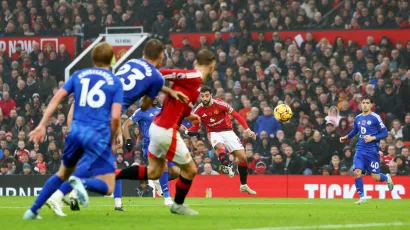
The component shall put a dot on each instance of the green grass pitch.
(215, 213)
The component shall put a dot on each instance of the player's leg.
(217, 142)
(118, 194)
(72, 154)
(179, 153)
(377, 175)
(243, 171)
(359, 166)
(170, 167)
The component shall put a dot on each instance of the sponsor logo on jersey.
(212, 120)
(204, 115)
(151, 115)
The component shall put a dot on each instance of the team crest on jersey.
(369, 122)
(216, 111)
(363, 122)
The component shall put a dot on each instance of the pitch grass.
(251, 213)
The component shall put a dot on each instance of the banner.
(121, 44)
(8, 44)
(324, 187)
(359, 36)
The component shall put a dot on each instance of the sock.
(383, 177)
(183, 185)
(51, 185)
(243, 172)
(66, 188)
(95, 185)
(223, 157)
(58, 195)
(359, 186)
(117, 202)
(136, 172)
(163, 181)
(118, 189)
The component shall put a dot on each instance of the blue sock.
(383, 177)
(359, 186)
(118, 189)
(65, 188)
(51, 185)
(163, 181)
(95, 185)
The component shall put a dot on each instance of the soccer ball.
(283, 113)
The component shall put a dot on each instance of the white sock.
(58, 195)
(118, 202)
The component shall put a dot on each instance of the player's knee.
(376, 177)
(220, 147)
(110, 191)
(174, 172)
(240, 155)
(357, 173)
(154, 174)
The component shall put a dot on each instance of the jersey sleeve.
(69, 85)
(119, 91)
(381, 128)
(156, 86)
(224, 107)
(136, 117)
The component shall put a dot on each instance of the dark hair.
(153, 49)
(205, 57)
(206, 89)
(102, 54)
(367, 97)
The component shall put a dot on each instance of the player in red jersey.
(214, 114)
(166, 142)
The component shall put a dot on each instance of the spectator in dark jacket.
(277, 166)
(161, 27)
(319, 148)
(406, 128)
(54, 164)
(293, 163)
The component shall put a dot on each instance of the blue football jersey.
(144, 120)
(369, 125)
(139, 78)
(95, 90)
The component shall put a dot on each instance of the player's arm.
(382, 132)
(115, 119)
(240, 119)
(126, 129)
(70, 115)
(175, 94)
(172, 75)
(38, 134)
(352, 133)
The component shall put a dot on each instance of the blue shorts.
(145, 155)
(367, 161)
(91, 144)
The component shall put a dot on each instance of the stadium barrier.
(325, 187)
(359, 36)
(8, 44)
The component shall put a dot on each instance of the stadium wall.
(358, 36)
(324, 187)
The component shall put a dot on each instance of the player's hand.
(251, 134)
(128, 145)
(119, 140)
(179, 96)
(38, 134)
(342, 139)
(369, 138)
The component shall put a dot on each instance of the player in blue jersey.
(371, 130)
(97, 113)
(144, 120)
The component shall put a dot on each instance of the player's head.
(154, 51)
(206, 95)
(205, 61)
(155, 102)
(102, 55)
(366, 103)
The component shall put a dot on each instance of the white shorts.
(167, 143)
(228, 138)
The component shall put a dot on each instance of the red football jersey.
(173, 111)
(216, 116)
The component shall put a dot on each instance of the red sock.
(182, 186)
(136, 172)
(223, 157)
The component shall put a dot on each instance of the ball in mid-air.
(282, 113)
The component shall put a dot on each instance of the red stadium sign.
(9, 44)
(325, 187)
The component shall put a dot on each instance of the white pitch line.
(156, 205)
(367, 225)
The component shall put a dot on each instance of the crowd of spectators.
(321, 80)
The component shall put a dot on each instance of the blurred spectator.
(208, 170)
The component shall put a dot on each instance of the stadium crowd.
(321, 80)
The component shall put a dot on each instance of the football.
(283, 113)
